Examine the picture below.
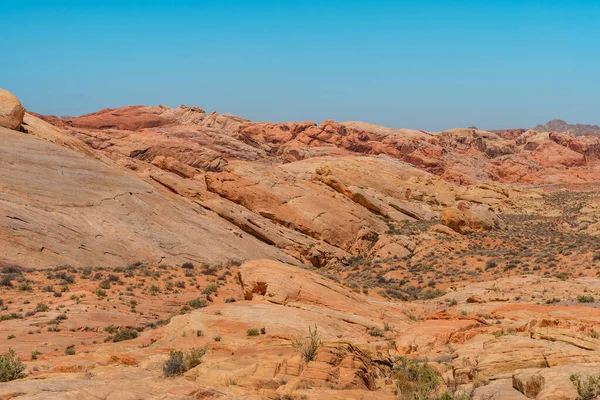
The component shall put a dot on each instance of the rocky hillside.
(158, 253)
(560, 126)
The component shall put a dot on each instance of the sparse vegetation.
(585, 298)
(11, 366)
(198, 303)
(125, 334)
(70, 350)
(588, 388)
(179, 362)
(309, 346)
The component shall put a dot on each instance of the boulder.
(552, 383)
(11, 111)
(465, 218)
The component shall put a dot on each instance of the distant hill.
(558, 125)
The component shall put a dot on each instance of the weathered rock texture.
(11, 111)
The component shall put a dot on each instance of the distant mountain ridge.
(558, 125)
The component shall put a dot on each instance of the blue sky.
(420, 64)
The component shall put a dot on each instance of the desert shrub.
(210, 288)
(431, 294)
(42, 307)
(588, 388)
(210, 269)
(490, 264)
(309, 346)
(25, 286)
(10, 316)
(585, 298)
(187, 265)
(70, 350)
(253, 332)
(154, 290)
(6, 281)
(175, 365)
(415, 380)
(180, 284)
(194, 356)
(179, 362)
(125, 334)
(12, 269)
(378, 332)
(11, 366)
(198, 303)
(217, 338)
(263, 331)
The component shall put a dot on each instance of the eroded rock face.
(60, 206)
(11, 111)
(459, 155)
(466, 218)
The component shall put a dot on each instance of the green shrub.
(253, 332)
(309, 346)
(588, 388)
(104, 285)
(42, 307)
(154, 290)
(376, 332)
(431, 294)
(194, 356)
(125, 334)
(210, 288)
(179, 362)
(11, 367)
(198, 303)
(6, 317)
(415, 380)
(70, 350)
(585, 298)
(175, 365)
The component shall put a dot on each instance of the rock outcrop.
(11, 111)
(466, 218)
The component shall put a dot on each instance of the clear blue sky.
(418, 64)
